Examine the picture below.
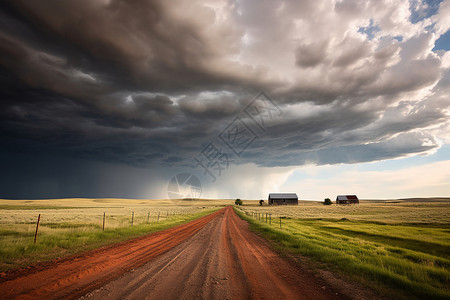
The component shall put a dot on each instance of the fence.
(116, 221)
(266, 217)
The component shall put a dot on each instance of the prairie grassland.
(401, 248)
(68, 226)
(389, 211)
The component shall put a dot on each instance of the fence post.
(104, 217)
(280, 221)
(132, 218)
(266, 218)
(148, 217)
(37, 228)
(270, 219)
(159, 213)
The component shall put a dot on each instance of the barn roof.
(347, 197)
(283, 196)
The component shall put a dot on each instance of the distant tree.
(261, 202)
(327, 201)
(238, 202)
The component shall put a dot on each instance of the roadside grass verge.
(56, 240)
(407, 261)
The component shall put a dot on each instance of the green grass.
(57, 239)
(406, 260)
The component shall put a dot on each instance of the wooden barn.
(347, 199)
(283, 199)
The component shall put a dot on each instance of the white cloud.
(442, 19)
(428, 180)
(247, 181)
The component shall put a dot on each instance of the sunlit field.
(400, 246)
(385, 211)
(68, 226)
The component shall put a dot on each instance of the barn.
(347, 199)
(283, 199)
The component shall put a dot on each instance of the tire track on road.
(224, 260)
(75, 276)
(213, 257)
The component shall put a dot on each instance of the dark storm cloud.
(149, 83)
(349, 134)
(212, 105)
(45, 175)
(310, 55)
(400, 146)
(154, 43)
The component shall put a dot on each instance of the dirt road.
(214, 257)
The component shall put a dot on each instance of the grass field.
(68, 226)
(397, 247)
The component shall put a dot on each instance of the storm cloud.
(150, 84)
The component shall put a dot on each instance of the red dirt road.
(214, 257)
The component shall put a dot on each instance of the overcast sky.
(114, 98)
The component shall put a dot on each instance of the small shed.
(347, 199)
(283, 199)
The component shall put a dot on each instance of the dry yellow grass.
(389, 211)
(82, 210)
(68, 226)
